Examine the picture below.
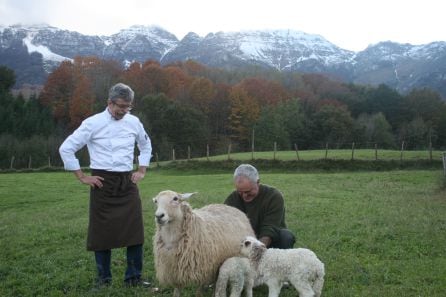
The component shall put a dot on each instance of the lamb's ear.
(186, 196)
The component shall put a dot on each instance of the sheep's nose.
(159, 216)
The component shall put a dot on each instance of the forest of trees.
(188, 105)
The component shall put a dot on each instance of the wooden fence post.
(173, 154)
(402, 149)
(11, 164)
(252, 144)
(157, 160)
(376, 151)
(29, 162)
(297, 151)
(430, 151)
(207, 152)
(430, 144)
(353, 151)
(49, 162)
(275, 149)
(188, 152)
(326, 150)
(229, 151)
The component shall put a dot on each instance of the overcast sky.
(350, 24)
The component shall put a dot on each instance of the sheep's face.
(169, 206)
(250, 245)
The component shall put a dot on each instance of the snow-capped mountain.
(33, 51)
(280, 49)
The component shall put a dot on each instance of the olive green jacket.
(266, 212)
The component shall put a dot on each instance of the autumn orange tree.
(179, 83)
(244, 113)
(81, 103)
(266, 92)
(201, 94)
(69, 91)
(154, 79)
(57, 92)
(132, 77)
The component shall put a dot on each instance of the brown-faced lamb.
(301, 267)
(190, 244)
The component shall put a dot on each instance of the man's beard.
(118, 116)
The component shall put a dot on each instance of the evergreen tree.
(271, 128)
(7, 78)
(333, 125)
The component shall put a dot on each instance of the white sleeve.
(144, 146)
(72, 144)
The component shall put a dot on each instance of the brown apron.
(115, 213)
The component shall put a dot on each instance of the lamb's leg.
(248, 287)
(317, 286)
(236, 288)
(176, 292)
(220, 286)
(304, 288)
(274, 287)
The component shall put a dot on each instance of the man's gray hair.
(248, 171)
(121, 91)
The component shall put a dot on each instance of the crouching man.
(263, 205)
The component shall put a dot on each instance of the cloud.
(24, 11)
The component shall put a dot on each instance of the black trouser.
(285, 241)
(134, 264)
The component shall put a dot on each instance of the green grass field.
(378, 233)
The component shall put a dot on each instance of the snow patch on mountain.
(150, 32)
(276, 47)
(46, 53)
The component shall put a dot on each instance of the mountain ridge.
(33, 51)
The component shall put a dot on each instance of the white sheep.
(299, 266)
(190, 244)
(238, 273)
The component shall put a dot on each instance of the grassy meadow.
(378, 233)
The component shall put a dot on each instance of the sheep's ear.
(186, 196)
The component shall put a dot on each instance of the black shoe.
(137, 282)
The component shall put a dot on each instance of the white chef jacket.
(110, 143)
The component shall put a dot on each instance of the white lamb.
(238, 273)
(272, 267)
(190, 245)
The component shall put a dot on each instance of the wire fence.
(233, 152)
(327, 152)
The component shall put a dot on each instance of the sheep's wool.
(191, 247)
(301, 267)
